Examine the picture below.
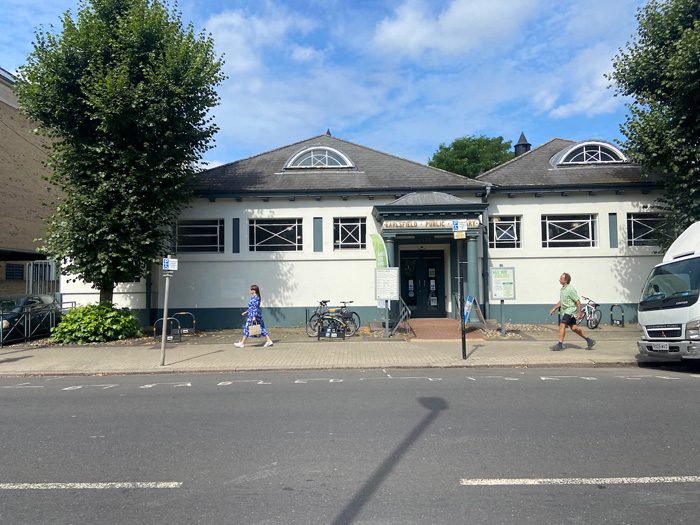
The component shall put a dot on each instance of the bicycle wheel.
(312, 326)
(356, 317)
(350, 325)
(594, 319)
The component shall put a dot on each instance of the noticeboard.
(386, 283)
(502, 283)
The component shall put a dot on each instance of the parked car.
(24, 317)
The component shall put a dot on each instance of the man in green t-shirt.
(571, 311)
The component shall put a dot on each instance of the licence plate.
(659, 346)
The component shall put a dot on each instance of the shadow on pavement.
(435, 405)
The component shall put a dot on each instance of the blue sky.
(400, 76)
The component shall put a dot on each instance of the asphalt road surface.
(532, 446)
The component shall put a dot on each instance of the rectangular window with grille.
(349, 233)
(504, 232)
(569, 231)
(275, 235)
(200, 236)
(641, 229)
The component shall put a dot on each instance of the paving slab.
(294, 350)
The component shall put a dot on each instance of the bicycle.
(350, 318)
(590, 313)
(333, 324)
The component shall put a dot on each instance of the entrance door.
(423, 282)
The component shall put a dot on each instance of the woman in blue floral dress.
(254, 314)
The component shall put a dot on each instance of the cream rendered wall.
(286, 279)
(605, 274)
(132, 295)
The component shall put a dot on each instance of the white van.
(669, 311)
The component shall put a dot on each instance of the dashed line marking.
(93, 486)
(579, 481)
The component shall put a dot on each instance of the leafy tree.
(472, 155)
(124, 92)
(659, 69)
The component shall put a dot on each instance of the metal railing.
(26, 324)
(404, 316)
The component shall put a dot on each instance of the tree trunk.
(107, 294)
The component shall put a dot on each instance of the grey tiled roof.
(533, 169)
(374, 173)
(428, 198)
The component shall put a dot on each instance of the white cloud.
(305, 54)
(243, 38)
(545, 98)
(462, 26)
(584, 79)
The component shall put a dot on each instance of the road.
(530, 446)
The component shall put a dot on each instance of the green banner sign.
(379, 251)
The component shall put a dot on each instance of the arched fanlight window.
(319, 157)
(589, 153)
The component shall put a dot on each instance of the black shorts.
(568, 320)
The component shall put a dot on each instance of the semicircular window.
(592, 153)
(319, 157)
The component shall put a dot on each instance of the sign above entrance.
(418, 225)
(463, 225)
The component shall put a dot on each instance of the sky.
(399, 76)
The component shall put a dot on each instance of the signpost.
(386, 287)
(169, 266)
(459, 229)
(502, 288)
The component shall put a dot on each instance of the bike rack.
(188, 330)
(173, 332)
(617, 322)
(328, 332)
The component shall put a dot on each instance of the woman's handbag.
(254, 329)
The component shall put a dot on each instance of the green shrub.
(96, 323)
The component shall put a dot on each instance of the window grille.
(200, 236)
(349, 233)
(319, 158)
(591, 153)
(569, 231)
(641, 229)
(275, 235)
(504, 232)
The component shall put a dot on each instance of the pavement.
(431, 344)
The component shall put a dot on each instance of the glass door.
(423, 282)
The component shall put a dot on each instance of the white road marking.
(325, 379)
(181, 383)
(256, 381)
(494, 377)
(93, 486)
(580, 481)
(78, 387)
(24, 385)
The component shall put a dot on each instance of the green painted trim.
(230, 318)
(318, 234)
(236, 235)
(612, 221)
(539, 313)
